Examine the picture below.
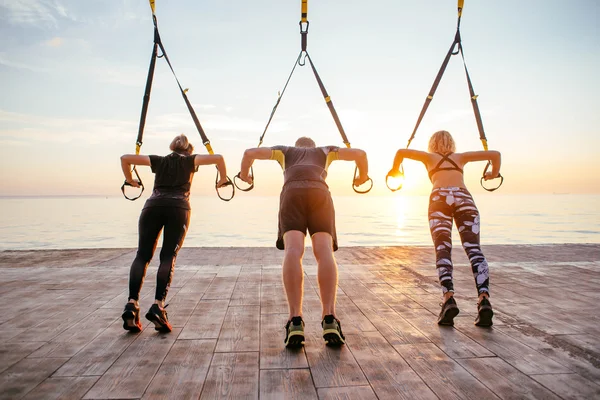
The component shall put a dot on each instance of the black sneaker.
(332, 331)
(294, 333)
(131, 318)
(159, 317)
(448, 312)
(484, 313)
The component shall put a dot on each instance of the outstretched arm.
(257, 153)
(411, 154)
(360, 157)
(217, 159)
(490, 155)
(127, 160)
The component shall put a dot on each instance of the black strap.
(438, 167)
(129, 184)
(158, 42)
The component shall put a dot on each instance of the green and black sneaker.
(332, 331)
(294, 333)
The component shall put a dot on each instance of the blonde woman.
(450, 200)
(168, 210)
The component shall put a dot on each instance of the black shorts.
(302, 209)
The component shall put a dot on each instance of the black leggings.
(445, 205)
(175, 222)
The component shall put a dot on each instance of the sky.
(72, 76)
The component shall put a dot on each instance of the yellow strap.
(152, 6)
(461, 3)
(347, 144)
(209, 148)
(137, 149)
(475, 97)
(331, 157)
(327, 99)
(304, 15)
(485, 145)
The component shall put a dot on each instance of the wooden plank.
(197, 285)
(273, 299)
(221, 288)
(273, 353)
(206, 320)
(347, 393)
(232, 376)
(25, 375)
(331, 366)
(182, 373)
(130, 375)
(100, 353)
(391, 325)
(520, 356)
(293, 384)
(505, 380)
(181, 308)
(444, 376)
(450, 340)
(245, 294)
(570, 386)
(72, 340)
(12, 353)
(62, 388)
(240, 330)
(389, 375)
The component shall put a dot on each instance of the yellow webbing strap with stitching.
(485, 145)
(152, 6)
(137, 149)
(461, 3)
(209, 148)
(304, 15)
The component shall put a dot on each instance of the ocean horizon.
(73, 222)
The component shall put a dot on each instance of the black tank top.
(438, 167)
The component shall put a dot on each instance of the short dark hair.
(305, 142)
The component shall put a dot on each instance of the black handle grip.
(237, 177)
(354, 187)
(228, 183)
(490, 189)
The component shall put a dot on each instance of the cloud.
(44, 13)
(54, 42)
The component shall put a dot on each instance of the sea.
(28, 223)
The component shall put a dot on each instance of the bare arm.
(411, 154)
(257, 153)
(127, 160)
(217, 159)
(491, 155)
(360, 158)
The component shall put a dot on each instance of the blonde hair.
(441, 142)
(181, 144)
(305, 142)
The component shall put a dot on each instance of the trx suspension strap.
(455, 49)
(301, 60)
(138, 144)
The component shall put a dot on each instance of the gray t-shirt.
(304, 167)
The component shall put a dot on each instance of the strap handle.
(394, 182)
(355, 187)
(139, 180)
(490, 189)
(238, 178)
(229, 183)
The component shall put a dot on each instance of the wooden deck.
(62, 336)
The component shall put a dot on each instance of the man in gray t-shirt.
(306, 204)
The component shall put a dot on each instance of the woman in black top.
(450, 200)
(167, 209)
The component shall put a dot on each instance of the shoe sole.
(485, 317)
(159, 325)
(295, 340)
(129, 322)
(448, 318)
(332, 337)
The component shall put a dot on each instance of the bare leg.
(293, 276)
(327, 274)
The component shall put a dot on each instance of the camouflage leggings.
(446, 204)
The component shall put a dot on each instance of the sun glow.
(401, 208)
